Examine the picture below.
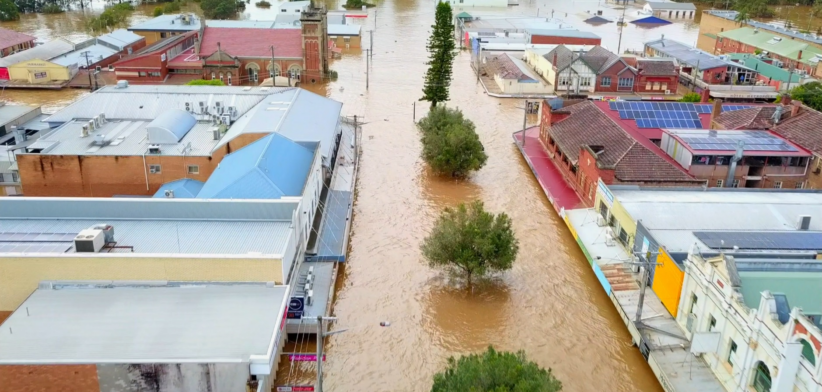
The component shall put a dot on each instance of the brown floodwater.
(550, 304)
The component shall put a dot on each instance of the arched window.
(212, 76)
(253, 71)
(229, 78)
(807, 352)
(762, 378)
(294, 72)
(221, 76)
(274, 70)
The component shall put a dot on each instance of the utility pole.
(621, 25)
(271, 73)
(371, 51)
(790, 76)
(367, 67)
(88, 65)
(479, 57)
(321, 335)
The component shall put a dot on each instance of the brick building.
(151, 64)
(587, 145)
(562, 37)
(152, 135)
(702, 66)
(240, 55)
(656, 76)
(784, 52)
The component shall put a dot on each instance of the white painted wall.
(579, 72)
(758, 334)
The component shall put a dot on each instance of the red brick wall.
(731, 46)
(669, 82)
(715, 75)
(240, 75)
(554, 40)
(614, 73)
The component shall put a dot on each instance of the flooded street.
(549, 305)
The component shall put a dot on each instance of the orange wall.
(668, 281)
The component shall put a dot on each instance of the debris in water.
(385, 323)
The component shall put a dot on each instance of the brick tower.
(315, 43)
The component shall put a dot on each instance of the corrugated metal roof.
(297, 114)
(170, 126)
(172, 22)
(269, 168)
(9, 113)
(46, 51)
(185, 188)
(344, 30)
(775, 44)
(200, 237)
(731, 15)
(803, 289)
(563, 33)
(669, 5)
(96, 52)
(171, 323)
(688, 55)
(120, 38)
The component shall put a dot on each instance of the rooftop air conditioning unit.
(91, 126)
(169, 193)
(89, 241)
(188, 107)
(215, 132)
(667, 92)
(804, 222)
(99, 139)
(226, 119)
(609, 237)
(84, 132)
(108, 231)
(601, 221)
(102, 118)
(153, 148)
(309, 300)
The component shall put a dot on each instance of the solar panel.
(790, 240)
(612, 105)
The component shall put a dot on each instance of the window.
(154, 169)
(656, 86)
(712, 324)
(664, 86)
(347, 39)
(193, 169)
(564, 81)
(694, 300)
(626, 82)
(142, 74)
(229, 78)
(154, 74)
(777, 184)
(585, 81)
(799, 185)
(807, 352)
(212, 76)
(591, 191)
(648, 85)
(731, 353)
(623, 236)
(603, 209)
(736, 184)
(163, 35)
(762, 378)
(606, 81)
(221, 76)
(719, 183)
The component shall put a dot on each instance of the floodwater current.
(550, 304)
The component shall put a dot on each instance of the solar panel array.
(790, 240)
(666, 114)
(727, 141)
(13, 242)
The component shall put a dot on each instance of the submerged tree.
(218, 9)
(441, 53)
(495, 371)
(470, 242)
(8, 11)
(450, 144)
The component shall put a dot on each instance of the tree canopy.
(450, 144)
(203, 82)
(441, 53)
(691, 97)
(495, 371)
(218, 9)
(810, 94)
(8, 11)
(113, 16)
(470, 242)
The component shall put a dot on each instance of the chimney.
(717, 110)
(786, 99)
(197, 46)
(795, 106)
(799, 56)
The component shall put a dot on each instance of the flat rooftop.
(9, 113)
(674, 215)
(515, 23)
(228, 228)
(689, 55)
(151, 322)
(755, 143)
(96, 52)
(172, 22)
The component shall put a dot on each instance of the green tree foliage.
(218, 9)
(112, 17)
(263, 4)
(203, 82)
(52, 9)
(751, 9)
(172, 7)
(691, 97)
(471, 242)
(450, 144)
(356, 4)
(8, 11)
(810, 94)
(158, 10)
(441, 53)
(494, 371)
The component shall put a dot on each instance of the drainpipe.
(145, 169)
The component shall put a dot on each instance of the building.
(669, 9)
(655, 76)
(513, 76)
(562, 37)
(535, 57)
(597, 69)
(19, 126)
(770, 74)
(588, 146)
(153, 63)
(56, 62)
(165, 26)
(205, 336)
(32, 65)
(714, 22)
(740, 286)
(237, 55)
(797, 123)
(464, 4)
(12, 42)
(784, 52)
(767, 160)
(345, 35)
(152, 135)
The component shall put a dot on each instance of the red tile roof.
(656, 67)
(752, 118)
(251, 42)
(803, 129)
(587, 125)
(10, 38)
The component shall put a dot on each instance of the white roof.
(666, 5)
(152, 322)
(293, 6)
(171, 22)
(46, 51)
(120, 38)
(344, 29)
(96, 52)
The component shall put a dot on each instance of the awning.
(744, 94)
(36, 125)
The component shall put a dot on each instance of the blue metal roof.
(651, 20)
(270, 168)
(170, 126)
(184, 188)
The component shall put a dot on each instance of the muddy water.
(549, 305)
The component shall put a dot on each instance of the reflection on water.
(549, 304)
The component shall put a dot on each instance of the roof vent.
(122, 83)
(804, 222)
(100, 139)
